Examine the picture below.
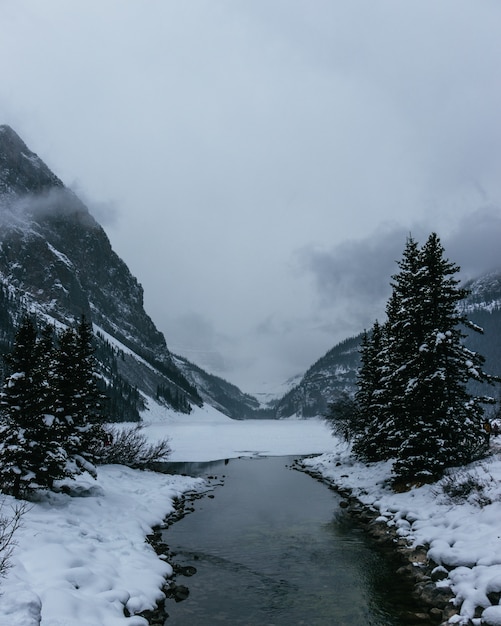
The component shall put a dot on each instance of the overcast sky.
(258, 164)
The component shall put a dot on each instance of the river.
(272, 547)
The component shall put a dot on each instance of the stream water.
(272, 547)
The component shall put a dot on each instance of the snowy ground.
(459, 519)
(207, 435)
(80, 560)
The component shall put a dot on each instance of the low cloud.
(474, 242)
(353, 279)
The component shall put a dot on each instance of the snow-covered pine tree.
(90, 402)
(401, 340)
(369, 442)
(19, 411)
(51, 463)
(413, 382)
(441, 423)
(78, 403)
(31, 454)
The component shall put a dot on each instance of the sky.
(258, 164)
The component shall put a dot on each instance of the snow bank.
(81, 560)
(463, 533)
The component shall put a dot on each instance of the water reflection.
(272, 548)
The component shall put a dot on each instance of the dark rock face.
(22, 171)
(326, 380)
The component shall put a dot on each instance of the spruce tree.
(370, 439)
(425, 416)
(89, 401)
(31, 453)
(19, 412)
(442, 423)
(66, 392)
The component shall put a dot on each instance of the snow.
(82, 557)
(463, 535)
(62, 257)
(208, 435)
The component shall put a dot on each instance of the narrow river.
(273, 548)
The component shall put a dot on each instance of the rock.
(436, 614)
(431, 595)
(181, 593)
(440, 573)
(185, 570)
(494, 597)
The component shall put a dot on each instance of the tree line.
(51, 409)
(413, 402)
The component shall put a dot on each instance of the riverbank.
(81, 557)
(448, 533)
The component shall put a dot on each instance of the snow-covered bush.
(129, 446)
(465, 486)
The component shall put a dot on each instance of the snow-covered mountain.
(325, 380)
(56, 260)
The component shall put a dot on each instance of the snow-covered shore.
(81, 560)
(457, 519)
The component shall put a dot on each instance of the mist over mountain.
(57, 261)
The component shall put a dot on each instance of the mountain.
(57, 261)
(325, 380)
(336, 371)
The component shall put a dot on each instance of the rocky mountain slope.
(57, 261)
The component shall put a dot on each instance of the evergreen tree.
(90, 401)
(19, 411)
(31, 456)
(413, 381)
(370, 438)
(402, 339)
(442, 423)
(75, 397)
(49, 455)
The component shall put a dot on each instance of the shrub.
(465, 486)
(9, 523)
(129, 446)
